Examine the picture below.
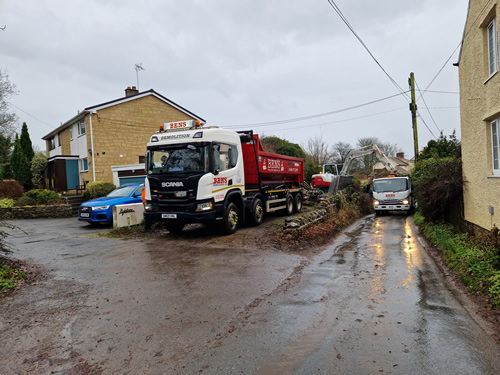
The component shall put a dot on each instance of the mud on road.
(100, 305)
(152, 304)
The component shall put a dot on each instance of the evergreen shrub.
(100, 189)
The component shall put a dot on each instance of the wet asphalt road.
(371, 302)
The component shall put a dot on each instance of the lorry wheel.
(174, 227)
(289, 205)
(230, 224)
(257, 212)
(298, 203)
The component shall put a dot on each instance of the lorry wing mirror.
(216, 172)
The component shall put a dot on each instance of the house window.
(52, 143)
(84, 165)
(58, 139)
(81, 127)
(492, 47)
(495, 146)
(71, 132)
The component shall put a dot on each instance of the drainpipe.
(92, 144)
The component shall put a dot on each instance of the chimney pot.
(131, 91)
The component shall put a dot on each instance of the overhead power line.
(344, 19)
(317, 115)
(29, 114)
(430, 114)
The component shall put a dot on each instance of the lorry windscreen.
(390, 185)
(188, 158)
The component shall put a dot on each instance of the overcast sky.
(241, 62)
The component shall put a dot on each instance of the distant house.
(107, 142)
(480, 114)
(403, 166)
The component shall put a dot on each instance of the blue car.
(100, 210)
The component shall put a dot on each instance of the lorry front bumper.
(186, 216)
(392, 207)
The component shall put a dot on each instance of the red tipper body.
(269, 168)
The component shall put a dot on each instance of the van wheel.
(257, 214)
(231, 219)
(289, 205)
(298, 203)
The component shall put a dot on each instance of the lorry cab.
(392, 194)
(190, 171)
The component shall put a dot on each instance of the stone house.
(107, 142)
(480, 114)
(403, 166)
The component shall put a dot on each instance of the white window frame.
(491, 33)
(495, 146)
(58, 139)
(84, 165)
(71, 132)
(52, 143)
(81, 127)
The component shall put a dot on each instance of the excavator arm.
(364, 151)
(358, 153)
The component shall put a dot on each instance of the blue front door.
(72, 174)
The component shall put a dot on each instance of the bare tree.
(340, 150)
(387, 148)
(317, 151)
(7, 90)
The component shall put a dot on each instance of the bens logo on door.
(220, 181)
(172, 184)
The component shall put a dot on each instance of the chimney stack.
(129, 91)
(400, 155)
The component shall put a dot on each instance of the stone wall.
(35, 212)
(296, 224)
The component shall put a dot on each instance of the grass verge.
(10, 276)
(475, 261)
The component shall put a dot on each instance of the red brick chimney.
(129, 91)
(400, 155)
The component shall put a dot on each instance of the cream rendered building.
(480, 114)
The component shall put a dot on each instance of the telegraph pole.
(413, 109)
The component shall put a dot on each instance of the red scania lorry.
(199, 174)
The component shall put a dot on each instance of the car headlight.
(206, 206)
(101, 208)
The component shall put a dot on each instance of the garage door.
(131, 180)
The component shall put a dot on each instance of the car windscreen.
(188, 158)
(123, 191)
(390, 185)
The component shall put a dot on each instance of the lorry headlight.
(405, 201)
(206, 206)
(148, 206)
(376, 203)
